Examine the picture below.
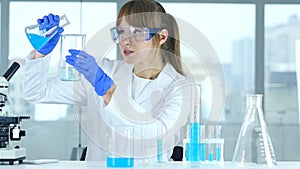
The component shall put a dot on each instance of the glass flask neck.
(254, 100)
(254, 107)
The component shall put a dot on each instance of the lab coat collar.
(124, 78)
(162, 82)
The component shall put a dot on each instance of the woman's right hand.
(47, 23)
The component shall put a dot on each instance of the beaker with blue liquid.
(39, 37)
(120, 144)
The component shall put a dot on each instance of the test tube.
(160, 133)
(211, 145)
(144, 160)
(186, 144)
(218, 144)
(202, 144)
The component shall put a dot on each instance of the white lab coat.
(166, 100)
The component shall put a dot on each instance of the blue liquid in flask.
(37, 41)
(119, 162)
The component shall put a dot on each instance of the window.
(282, 29)
(230, 30)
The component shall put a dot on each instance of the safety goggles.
(132, 34)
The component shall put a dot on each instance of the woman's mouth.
(127, 52)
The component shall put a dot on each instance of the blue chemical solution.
(194, 133)
(69, 74)
(187, 152)
(194, 147)
(119, 162)
(159, 150)
(202, 152)
(218, 154)
(37, 41)
(210, 157)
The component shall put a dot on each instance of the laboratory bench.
(169, 165)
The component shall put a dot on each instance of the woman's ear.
(163, 36)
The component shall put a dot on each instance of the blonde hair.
(151, 14)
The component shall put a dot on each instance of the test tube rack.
(211, 151)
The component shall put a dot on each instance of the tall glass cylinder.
(254, 144)
(194, 145)
(70, 41)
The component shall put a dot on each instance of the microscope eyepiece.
(11, 71)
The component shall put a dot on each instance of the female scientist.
(144, 89)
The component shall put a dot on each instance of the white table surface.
(170, 165)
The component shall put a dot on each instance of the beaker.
(39, 37)
(70, 41)
(120, 141)
(254, 144)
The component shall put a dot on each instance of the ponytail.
(171, 48)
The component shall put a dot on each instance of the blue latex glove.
(87, 65)
(47, 23)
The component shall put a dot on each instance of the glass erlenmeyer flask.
(254, 144)
(39, 37)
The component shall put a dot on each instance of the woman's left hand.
(87, 65)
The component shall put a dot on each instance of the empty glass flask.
(254, 145)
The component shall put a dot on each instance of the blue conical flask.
(38, 38)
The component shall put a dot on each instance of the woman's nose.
(125, 40)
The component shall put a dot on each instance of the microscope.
(10, 129)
